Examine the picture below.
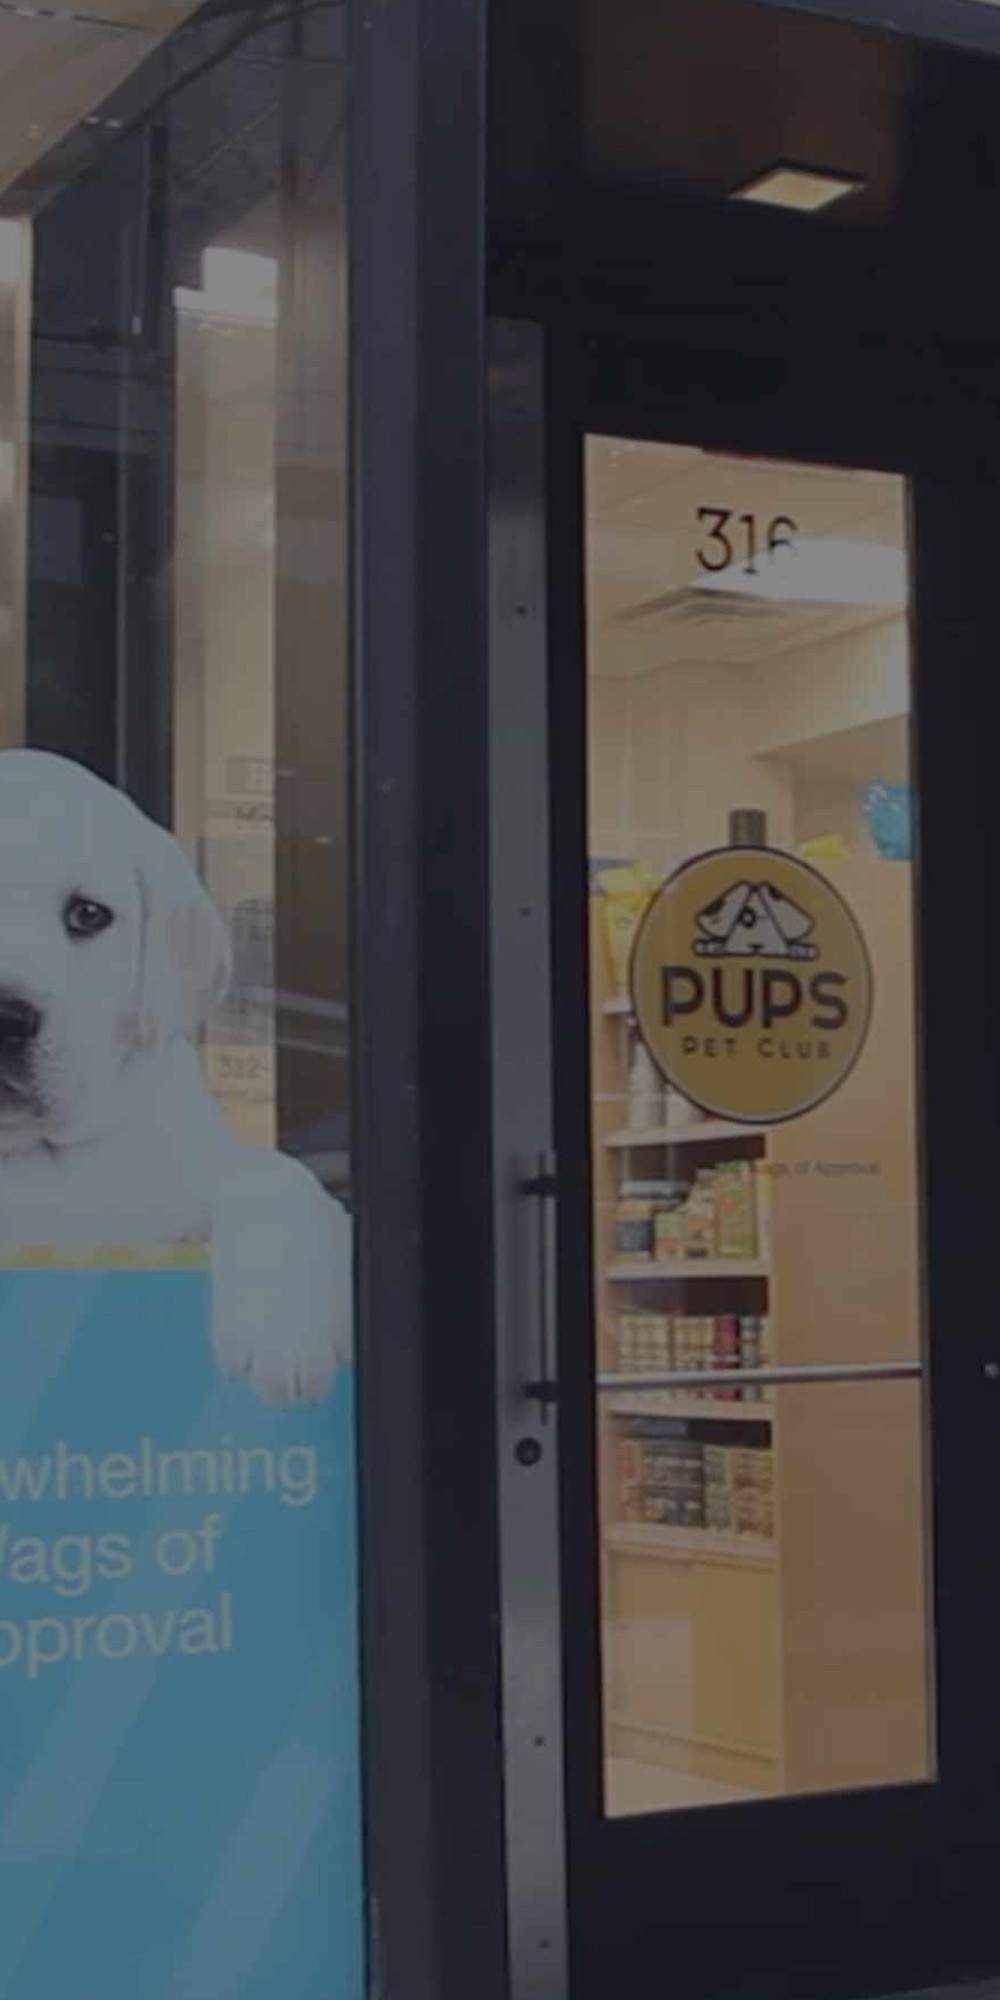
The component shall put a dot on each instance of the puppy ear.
(185, 964)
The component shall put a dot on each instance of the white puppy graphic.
(110, 955)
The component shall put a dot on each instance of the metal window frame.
(431, 1669)
(973, 25)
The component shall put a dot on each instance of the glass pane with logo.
(759, 1393)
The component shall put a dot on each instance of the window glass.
(179, 1771)
(760, 1392)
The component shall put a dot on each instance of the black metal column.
(434, 1825)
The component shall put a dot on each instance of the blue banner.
(179, 1783)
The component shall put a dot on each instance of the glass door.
(745, 1073)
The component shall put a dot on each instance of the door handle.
(543, 1388)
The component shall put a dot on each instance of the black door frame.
(859, 1893)
(420, 1006)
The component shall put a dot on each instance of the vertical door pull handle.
(543, 1389)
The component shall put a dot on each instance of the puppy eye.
(83, 918)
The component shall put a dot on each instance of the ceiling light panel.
(804, 190)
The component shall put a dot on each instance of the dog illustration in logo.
(754, 920)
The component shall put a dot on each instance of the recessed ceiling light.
(805, 189)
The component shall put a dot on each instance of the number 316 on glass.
(738, 538)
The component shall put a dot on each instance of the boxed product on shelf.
(735, 1228)
(629, 1464)
(719, 1487)
(715, 1216)
(685, 1482)
(763, 1189)
(753, 1492)
(689, 1346)
(705, 1348)
(644, 1342)
(726, 1352)
(640, 1204)
(750, 1352)
(682, 1342)
(668, 1477)
(700, 1216)
(668, 1231)
(626, 1342)
(660, 1339)
(634, 1222)
(755, 1352)
(656, 1343)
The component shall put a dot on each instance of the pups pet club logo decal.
(751, 984)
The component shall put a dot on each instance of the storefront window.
(179, 1759)
(760, 1402)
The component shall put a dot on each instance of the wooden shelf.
(684, 1268)
(710, 1132)
(648, 1538)
(669, 1403)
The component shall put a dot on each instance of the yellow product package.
(736, 1234)
(824, 847)
(625, 892)
(668, 1234)
(700, 1216)
(763, 1190)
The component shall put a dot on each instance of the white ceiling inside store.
(645, 534)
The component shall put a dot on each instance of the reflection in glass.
(763, 1561)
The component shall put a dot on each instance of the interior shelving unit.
(725, 1653)
(707, 1133)
(693, 1271)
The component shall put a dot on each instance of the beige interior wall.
(15, 394)
(824, 806)
(673, 751)
(845, 1285)
(840, 684)
(671, 755)
(224, 664)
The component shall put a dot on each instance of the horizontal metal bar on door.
(729, 1378)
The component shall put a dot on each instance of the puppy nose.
(19, 1022)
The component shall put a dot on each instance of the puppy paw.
(247, 1353)
(281, 1284)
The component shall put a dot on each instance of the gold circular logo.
(751, 984)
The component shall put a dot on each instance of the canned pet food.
(638, 1204)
